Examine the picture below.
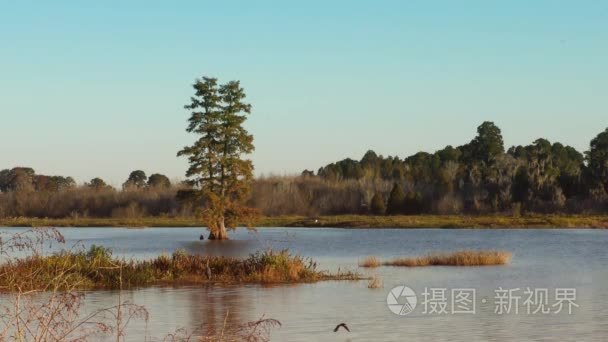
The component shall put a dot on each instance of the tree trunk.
(220, 233)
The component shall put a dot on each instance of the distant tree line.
(481, 177)
(474, 178)
(26, 179)
(23, 193)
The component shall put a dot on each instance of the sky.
(96, 89)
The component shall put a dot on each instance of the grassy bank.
(459, 258)
(341, 221)
(97, 268)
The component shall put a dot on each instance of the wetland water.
(542, 259)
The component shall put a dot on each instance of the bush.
(396, 201)
(377, 204)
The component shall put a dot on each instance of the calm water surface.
(542, 258)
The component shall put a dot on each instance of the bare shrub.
(52, 311)
(89, 202)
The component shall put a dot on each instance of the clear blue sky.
(96, 88)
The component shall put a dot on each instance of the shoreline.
(338, 221)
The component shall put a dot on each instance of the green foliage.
(449, 154)
(99, 253)
(53, 183)
(480, 177)
(97, 184)
(412, 204)
(488, 144)
(25, 179)
(423, 167)
(597, 159)
(307, 173)
(217, 170)
(137, 179)
(344, 169)
(377, 205)
(156, 180)
(396, 201)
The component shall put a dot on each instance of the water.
(542, 258)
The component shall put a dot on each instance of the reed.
(42, 297)
(375, 282)
(459, 258)
(41, 309)
(370, 261)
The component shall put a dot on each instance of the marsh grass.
(97, 268)
(43, 298)
(459, 258)
(375, 282)
(52, 310)
(370, 261)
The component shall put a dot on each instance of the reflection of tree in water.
(243, 244)
(219, 307)
(227, 248)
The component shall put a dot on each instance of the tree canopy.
(137, 179)
(97, 184)
(481, 177)
(157, 180)
(396, 201)
(217, 169)
(597, 159)
(24, 179)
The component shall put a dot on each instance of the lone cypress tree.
(396, 201)
(219, 174)
(377, 204)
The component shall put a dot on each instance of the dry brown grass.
(370, 261)
(459, 258)
(97, 268)
(375, 282)
(42, 300)
(342, 221)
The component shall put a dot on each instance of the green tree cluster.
(25, 179)
(139, 180)
(482, 177)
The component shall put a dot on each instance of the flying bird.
(341, 325)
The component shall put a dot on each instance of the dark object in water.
(202, 237)
(213, 237)
(341, 325)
